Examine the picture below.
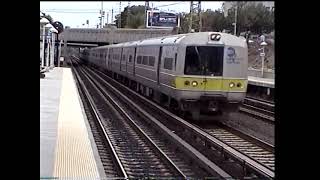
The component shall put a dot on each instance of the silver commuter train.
(196, 73)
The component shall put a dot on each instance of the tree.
(213, 21)
(184, 23)
(251, 16)
(131, 17)
(50, 19)
(58, 26)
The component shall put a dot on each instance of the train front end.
(214, 79)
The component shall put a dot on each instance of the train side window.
(130, 58)
(168, 63)
(145, 60)
(139, 60)
(151, 60)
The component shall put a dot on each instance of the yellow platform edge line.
(73, 154)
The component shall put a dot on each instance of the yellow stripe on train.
(211, 84)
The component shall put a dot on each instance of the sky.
(75, 14)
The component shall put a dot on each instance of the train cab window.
(139, 60)
(145, 60)
(204, 60)
(168, 63)
(130, 58)
(151, 60)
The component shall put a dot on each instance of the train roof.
(200, 38)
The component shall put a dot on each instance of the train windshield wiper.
(202, 69)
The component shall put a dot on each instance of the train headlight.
(231, 85)
(187, 83)
(194, 83)
(239, 85)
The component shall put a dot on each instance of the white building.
(227, 5)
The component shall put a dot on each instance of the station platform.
(264, 82)
(67, 147)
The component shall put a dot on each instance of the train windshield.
(204, 60)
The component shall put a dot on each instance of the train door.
(120, 60)
(128, 53)
(134, 61)
(110, 59)
(212, 64)
(159, 64)
(107, 58)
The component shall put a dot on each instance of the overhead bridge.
(80, 44)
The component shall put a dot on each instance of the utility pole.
(199, 15)
(190, 19)
(107, 17)
(128, 14)
(112, 16)
(235, 19)
(102, 15)
(151, 14)
(146, 7)
(119, 23)
(195, 6)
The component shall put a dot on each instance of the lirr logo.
(232, 56)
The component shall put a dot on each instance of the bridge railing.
(111, 35)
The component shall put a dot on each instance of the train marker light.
(215, 37)
(194, 83)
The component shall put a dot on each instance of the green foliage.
(256, 18)
(48, 17)
(253, 17)
(213, 21)
(131, 17)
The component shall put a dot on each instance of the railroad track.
(235, 162)
(110, 161)
(267, 102)
(264, 154)
(138, 159)
(258, 108)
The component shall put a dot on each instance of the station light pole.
(44, 21)
(235, 20)
(59, 54)
(48, 49)
(53, 31)
(263, 44)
